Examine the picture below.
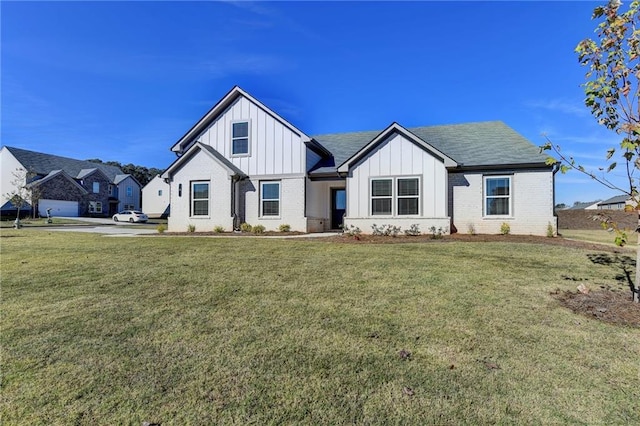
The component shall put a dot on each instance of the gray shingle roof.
(615, 200)
(489, 143)
(43, 164)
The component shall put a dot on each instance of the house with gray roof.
(614, 203)
(242, 162)
(66, 186)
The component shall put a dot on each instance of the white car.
(130, 216)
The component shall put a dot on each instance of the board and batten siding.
(201, 167)
(274, 149)
(398, 157)
(133, 199)
(532, 203)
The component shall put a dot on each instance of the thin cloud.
(560, 105)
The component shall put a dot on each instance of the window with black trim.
(270, 198)
(240, 138)
(497, 195)
(404, 200)
(381, 196)
(200, 198)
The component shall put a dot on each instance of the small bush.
(191, 228)
(352, 231)
(550, 231)
(161, 228)
(471, 229)
(284, 228)
(413, 231)
(218, 229)
(385, 230)
(258, 229)
(505, 228)
(436, 234)
(245, 227)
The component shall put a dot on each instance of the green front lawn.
(183, 330)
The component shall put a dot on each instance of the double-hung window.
(96, 187)
(200, 198)
(497, 195)
(381, 196)
(270, 198)
(395, 196)
(95, 207)
(240, 138)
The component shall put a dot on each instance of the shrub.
(385, 230)
(258, 229)
(352, 231)
(505, 228)
(245, 227)
(218, 229)
(284, 228)
(436, 234)
(191, 228)
(413, 231)
(161, 228)
(550, 231)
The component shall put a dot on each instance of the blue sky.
(124, 81)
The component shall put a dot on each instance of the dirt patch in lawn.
(615, 307)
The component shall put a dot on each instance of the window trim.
(262, 199)
(192, 199)
(485, 196)
(129, 191)
(95, 187)
(400, 197)
(248, 137)
(394, 195)
(95, 207)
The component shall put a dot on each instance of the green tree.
(613, 94)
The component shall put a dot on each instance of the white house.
(155, 198)
(242, 162)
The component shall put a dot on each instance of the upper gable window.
(240, 138)
(96, 187)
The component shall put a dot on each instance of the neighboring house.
(614, 203)
(589, 205)
(242, 162)
(155, 198)
(67, 186)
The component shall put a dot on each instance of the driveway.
(105, 226)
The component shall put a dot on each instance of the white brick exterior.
(201, 167)
(291, 203)
(155, 197)
(532, 203)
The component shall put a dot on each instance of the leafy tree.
(140, 173)
(22, 194)
(613, 95)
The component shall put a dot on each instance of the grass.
(183, 330)
(600, 236)
(41, 222)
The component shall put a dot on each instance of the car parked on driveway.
(130, 216)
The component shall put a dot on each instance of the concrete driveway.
(105, 226)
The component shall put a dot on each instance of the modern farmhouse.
(242, 162)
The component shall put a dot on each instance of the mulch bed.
(614, 307)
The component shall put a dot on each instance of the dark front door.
(338, 206)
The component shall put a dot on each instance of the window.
(406, 198)
(96, 187)
(95, 207)
(110, 189)
(240, 138)
(381, 196)
(497, 196)
(129, 191)
(199, 198)
(159, 192)
(270, 198)
(129, 207)
(179, 190)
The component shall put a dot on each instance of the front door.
(338, 207)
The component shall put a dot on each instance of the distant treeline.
(141, 173)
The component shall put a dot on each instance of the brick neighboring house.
(67, 186)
